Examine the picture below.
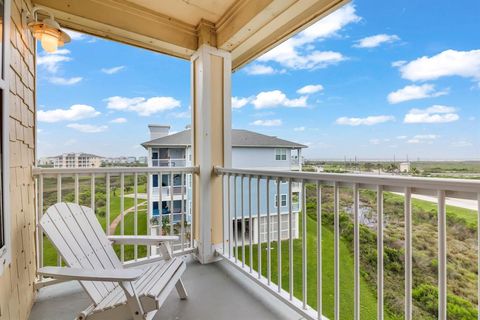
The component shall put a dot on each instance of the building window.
(283, 200)
(280, 154)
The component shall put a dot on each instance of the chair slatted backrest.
(79, 238)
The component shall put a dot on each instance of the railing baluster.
(59, 199)
(336, 250)
(250, 222)
(442, 257)
(149, 208)
(235, 225)
(92, 191)
(182, 211)
(40, 214)
(259, 226)
(304, 244)
(229, 220)
(243, 220)
(160, 202)
(76, 187)
(478, 252)
(408, 254)
(171, 202)
(279, 243)
(269, 256)
(224, 195)
(290, 240)
(356, 252)
(319, 251)
(379, 252)
(122, 214)
(107, 214)
(135, 218)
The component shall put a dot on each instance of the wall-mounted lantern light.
(47, 31)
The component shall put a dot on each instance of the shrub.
(426, 296)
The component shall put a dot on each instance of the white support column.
(211, 136)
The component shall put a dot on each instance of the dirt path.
(118, 219)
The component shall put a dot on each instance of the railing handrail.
(101, 170)
(170, 159)
(462, 188)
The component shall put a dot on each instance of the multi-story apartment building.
(250, 150)
(76, 160)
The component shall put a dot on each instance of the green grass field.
(368, 295)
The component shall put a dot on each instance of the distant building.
(142, 160)
(75, 160)
(404, 167)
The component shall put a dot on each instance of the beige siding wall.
(16, 283)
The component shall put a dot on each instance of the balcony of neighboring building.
(168, 157)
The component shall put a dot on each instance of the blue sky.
(373, 80)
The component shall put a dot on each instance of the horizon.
(356, 83)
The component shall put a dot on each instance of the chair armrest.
(113, 275)
(142, 240)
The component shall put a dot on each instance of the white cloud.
(375, 141)
(87, 128)
(376, 40)
(398, 63)
(401, 137)
(51, 61)
(311, 88)
(65, 81)
(267, 123)
(461, 144)
(276, 98)
(414, 92)
(181, 115)
(74, 113)
(258, 69)
(298, 52)
(423, 138)
(75, 35)
(118, 120)
(433, 114)
(143, 106)
(112, 70)
(299, 129)
(447, 63)
(368, 121)
(238, 103)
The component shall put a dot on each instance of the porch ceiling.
(246, 28)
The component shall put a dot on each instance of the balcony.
(289, 265)
(169, 163)
(319, 270)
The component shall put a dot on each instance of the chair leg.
(182, 292)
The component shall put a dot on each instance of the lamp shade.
(49, 33)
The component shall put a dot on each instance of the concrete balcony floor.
(216, 291)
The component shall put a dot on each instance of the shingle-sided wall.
(16, 283)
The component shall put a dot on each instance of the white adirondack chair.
(117, 293)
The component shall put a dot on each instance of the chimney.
(158, 131)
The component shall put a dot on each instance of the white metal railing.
(167, 191)
(169, 162)
(241, 186)
(122, 200)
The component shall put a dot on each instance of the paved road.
(461, 203)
